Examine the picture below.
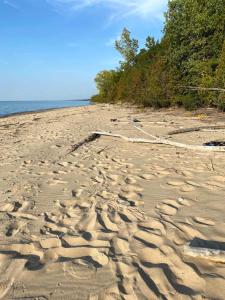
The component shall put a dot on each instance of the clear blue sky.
(52, 49)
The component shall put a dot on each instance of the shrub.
(221, 102)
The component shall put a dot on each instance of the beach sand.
(113, 219)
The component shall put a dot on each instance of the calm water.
(11, 107)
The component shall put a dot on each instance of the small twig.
(212, 165)
(103, 149)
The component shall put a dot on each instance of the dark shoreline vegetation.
(185, 68)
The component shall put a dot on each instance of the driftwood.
(206, 253)
(199, 88)
(93, 136)
(157, 140)
(192, 129)
(211, 144)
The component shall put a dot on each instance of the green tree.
(150, 43)
(191, 53)
(195, 31)
(106, 84)
(220, 79)
(220, 73)
(127, 47)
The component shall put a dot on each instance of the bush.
(191, 101)
(221, 102)
(157, 103)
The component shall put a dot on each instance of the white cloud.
(10, 3)
(118, 8)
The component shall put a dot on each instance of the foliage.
(106, 82)
(127, 47)
(220, 74)
(191, 53)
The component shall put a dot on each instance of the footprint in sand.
(131, 188)
(175, 183)
(80, 269)
(130, 180)
(116, 235)
(149, 239)
(147, 176)
(204, 221)
(173, 203)
(183, 201)
(215, 184)
(111, 293)
(193, 183)
(188, 232)
(169, 207)
(218, 178)
(56, 181)
(186, 173)
(181, 271)
(153, 225)
(129, 196)
(113, 177)
(107, 223)
(187, 188)
(64, 164)
(11, 274)
(97, 180)
(15, 227)
(6, 207)
(106, 195)
(163, 173)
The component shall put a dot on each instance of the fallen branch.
(192, 129)
(143, 131)
(206, 253)
(93, 136)
(199, 88)
(157, 140)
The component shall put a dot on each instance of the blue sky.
(52, 49)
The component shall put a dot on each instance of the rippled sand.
(112, 220)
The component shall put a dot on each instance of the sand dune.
(112, 220)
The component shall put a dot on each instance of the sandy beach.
(113, 219)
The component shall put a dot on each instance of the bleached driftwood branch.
(200, 88)
(157, 140)
(206, 253)
(192, 129)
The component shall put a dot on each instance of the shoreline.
(111, 216)
(22, 113)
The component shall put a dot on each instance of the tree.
(220, 73)
(190, 54)
(220, 79)
(150, 43)
(195, 31)
(106, 84)
(127, 47)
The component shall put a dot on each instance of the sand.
(111, 220)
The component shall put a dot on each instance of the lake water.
(12, 107)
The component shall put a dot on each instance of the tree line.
(186, 67)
